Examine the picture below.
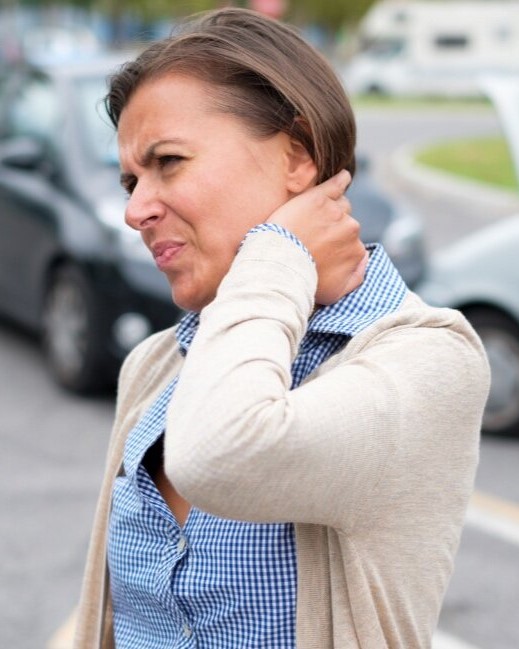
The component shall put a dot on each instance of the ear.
(301, 169)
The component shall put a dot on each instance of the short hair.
(264, 73)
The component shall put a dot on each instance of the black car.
(70, 269)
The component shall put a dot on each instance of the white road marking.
(494, 516)
(63, 637)
(442, 640)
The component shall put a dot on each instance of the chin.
(188, 302)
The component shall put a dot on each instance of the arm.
(238, 441)
(241, 444)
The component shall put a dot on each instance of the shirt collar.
(380, 294)
(186, 330)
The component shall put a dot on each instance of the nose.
(144, 208)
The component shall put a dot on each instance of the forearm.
(231, 399)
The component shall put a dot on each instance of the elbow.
(223, 469)
(204, 483)
(187, 467)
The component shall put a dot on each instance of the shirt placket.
(146, 433)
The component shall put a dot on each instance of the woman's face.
(197, 181)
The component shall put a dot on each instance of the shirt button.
(181, 545)
(187, 631)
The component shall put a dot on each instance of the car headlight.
(132, 246)
(404, 235)
(111, 213)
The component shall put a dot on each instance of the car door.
(27, 194)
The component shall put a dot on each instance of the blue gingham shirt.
(217, 583)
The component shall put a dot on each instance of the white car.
(480, 276)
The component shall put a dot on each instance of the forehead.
(171, 107)
(175, 105)
(172, 93)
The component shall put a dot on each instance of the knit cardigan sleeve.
(241, 444)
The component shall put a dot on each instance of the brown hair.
(265, 74)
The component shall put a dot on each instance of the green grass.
(423, 103)
(485, 160)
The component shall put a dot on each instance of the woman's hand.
(320, 218)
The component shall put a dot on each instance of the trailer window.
(451, 41)
(400, 17)
(382, 48)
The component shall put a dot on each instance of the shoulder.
(443, 328)
(433, 355)
(427, 322)
(422, 349)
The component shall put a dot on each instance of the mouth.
(165, 251)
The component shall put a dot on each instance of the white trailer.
(433, 47)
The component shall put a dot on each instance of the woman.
(290, 467)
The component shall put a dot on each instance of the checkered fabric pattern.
(216, 583)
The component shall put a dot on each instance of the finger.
(344, 205)
(335, 186)
(357, 276)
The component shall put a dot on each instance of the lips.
(164, 251)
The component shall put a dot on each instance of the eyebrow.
(149, 154)
(125, 179)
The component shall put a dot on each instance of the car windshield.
(98, 133)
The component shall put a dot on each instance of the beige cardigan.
(373, 457)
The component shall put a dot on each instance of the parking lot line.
(443, 640)
(497, 517)
(63, 637)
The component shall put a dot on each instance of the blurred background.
(435, 88)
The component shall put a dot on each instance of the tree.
(331, 14)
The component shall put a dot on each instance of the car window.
(3, 76)
(33, 111)
(98, 133)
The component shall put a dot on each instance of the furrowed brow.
(151, 152)
(128, 179)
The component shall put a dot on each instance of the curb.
(404, 164)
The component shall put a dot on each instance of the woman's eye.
(128, 187)
(165, 160)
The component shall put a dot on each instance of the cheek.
(223, 206)
(235, 212)
(247, 184)
(223, 217)
(219, 245)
